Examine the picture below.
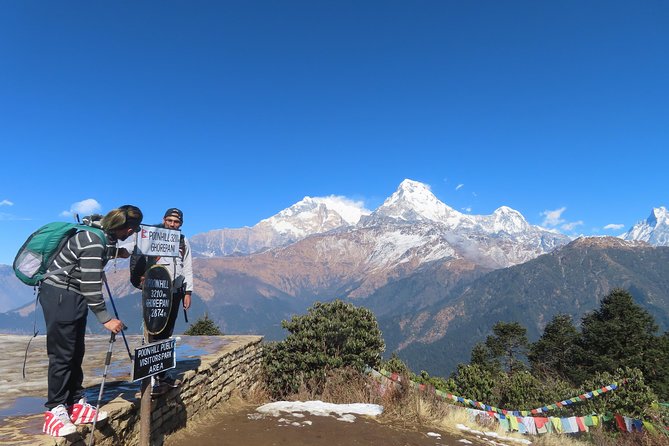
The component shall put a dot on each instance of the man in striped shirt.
(66, 297)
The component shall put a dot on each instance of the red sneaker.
(57, 422)
(84, 413)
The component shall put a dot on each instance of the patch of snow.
(319, 408)
(347, 418)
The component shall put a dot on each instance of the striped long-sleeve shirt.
(88, 256)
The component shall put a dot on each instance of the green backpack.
(37, 253)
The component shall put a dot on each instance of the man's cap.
(174, 212)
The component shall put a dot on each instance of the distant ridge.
(572, 280)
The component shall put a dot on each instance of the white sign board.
(160, 242)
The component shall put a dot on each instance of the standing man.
(181, 270)
(66, 296)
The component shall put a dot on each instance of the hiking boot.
(57, 422)
(166, 381)
(84, 413)
(160, 389)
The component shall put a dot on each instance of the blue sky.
(235, 110)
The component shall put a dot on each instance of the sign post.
(154, 358)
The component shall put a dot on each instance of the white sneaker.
(84, 413)
(57, 422)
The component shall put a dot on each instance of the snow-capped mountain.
(314, 216)
(653, 230)
(316, 249)
(413, 202)
(311, 215)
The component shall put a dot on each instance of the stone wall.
(205, 383)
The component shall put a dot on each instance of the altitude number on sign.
(158, 312)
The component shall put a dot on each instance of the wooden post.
(145, 414)
(145, 406)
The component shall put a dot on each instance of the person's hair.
(127, 216)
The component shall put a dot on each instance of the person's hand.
(186, 301)
(122, 253)
(114, 325)
(141, 282)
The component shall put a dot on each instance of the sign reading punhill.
(151, 359)
(156, 241)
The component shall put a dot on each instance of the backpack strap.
(35, 332)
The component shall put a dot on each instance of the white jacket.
(180, 268)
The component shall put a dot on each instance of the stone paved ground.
(22, 400)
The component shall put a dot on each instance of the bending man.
(66, 297)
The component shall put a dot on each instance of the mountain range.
(437, 279)
(570, 280)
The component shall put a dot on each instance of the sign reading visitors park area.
(159, 242)
(154, 358)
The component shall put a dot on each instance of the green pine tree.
(555, 352)
(622, 334)
(203, 327)
(507, 346)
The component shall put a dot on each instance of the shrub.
(330, 336)
(632, 398)
(395, 365)
(203, 327)
(524, 391)
(445, 385)
(476, 383)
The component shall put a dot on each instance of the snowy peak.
(413, 202)
(309, 216)
(315, 215)
(654, 230)
(658, 216)
(508, 220)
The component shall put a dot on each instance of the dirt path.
(249, 428)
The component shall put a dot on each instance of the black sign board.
(156, 298)
(151, 359)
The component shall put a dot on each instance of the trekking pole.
(111, 299)
(102, 385)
